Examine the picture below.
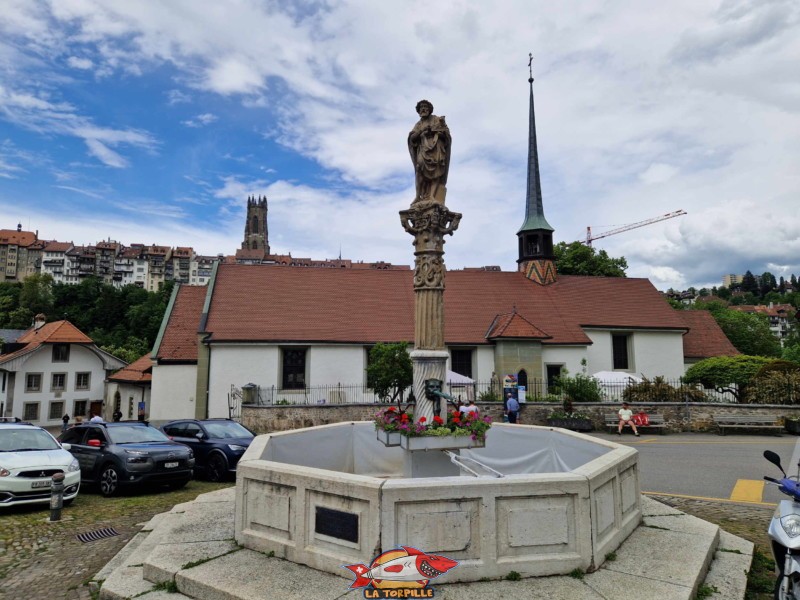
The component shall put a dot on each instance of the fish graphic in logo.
(405, 567)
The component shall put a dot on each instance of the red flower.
(454, 413)
(438, 420)
(456, 420)
(422, 419)
(391, 409)
(404, 417)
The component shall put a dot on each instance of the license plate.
(171, 465)
(42, 484)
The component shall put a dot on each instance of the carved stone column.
(428, 222)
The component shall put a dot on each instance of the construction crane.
(590, 238)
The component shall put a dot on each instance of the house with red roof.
(54, 369)
(128, 389)
(286, 328)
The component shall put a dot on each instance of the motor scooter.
(784, 532)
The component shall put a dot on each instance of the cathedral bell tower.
(536, 257)
(256, 235)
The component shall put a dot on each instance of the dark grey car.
(115, 455)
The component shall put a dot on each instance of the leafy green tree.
(724, 293)
(791, 353)
(727, 373)
(749, 332)
(793, 281)
(749, 283)
(768, 283)
(579, 259)
(20, 318)
(37, 294)
(390, 372)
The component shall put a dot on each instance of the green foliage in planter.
(581, 388)
(489, 396)
(659, 390)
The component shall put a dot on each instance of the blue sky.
(152, 122)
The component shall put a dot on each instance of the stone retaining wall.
(678, 416)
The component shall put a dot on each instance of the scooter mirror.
(774, 459)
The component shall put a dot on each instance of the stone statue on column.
(429, 220)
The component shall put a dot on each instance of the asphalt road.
(710, 466)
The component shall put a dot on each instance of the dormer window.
(61, 353)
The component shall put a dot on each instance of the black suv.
(218, 444)
(113, 455)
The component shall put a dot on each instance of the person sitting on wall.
(626, 419)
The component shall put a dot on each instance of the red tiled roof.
(17, 238)
(705, 338)
(179, 342)
(57, 246)
(514, 325)
(57, 332)
(273, 303)
(139, 371)
(775, 310)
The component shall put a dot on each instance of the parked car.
(218, 444)
(126, 453)
(29, 457)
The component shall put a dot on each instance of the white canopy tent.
(613, 383)
(461, 386)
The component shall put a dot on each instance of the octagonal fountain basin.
(538, 500)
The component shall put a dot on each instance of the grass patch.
(705, 591)
(576, 574)
(611, 556)
(761, 579)
(197, 563)
(513, 576)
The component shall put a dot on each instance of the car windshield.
(23, 440)
(131, 434)
(227, 429)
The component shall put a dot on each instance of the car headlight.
(74, 465)
(791, 525)
(137, 456)
(237, 448)
(4, 472)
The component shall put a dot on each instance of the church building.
(288, 329)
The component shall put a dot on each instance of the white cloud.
(658, 173)
(177, 97)
(200, 120)
(80, 63)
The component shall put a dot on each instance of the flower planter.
(572, 424)
(792, 426)
(389, 438)
(445, 442)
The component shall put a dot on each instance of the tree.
(749, 283)
(749, 332)
(390, 372)
(578, 259)
(724, 293)
(727, 373)
(768, 283)
(37, 294)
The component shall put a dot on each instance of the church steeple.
(536, 235)
(256, 234)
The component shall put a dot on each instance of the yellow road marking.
(748, 490)
(708, 498)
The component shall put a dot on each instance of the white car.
(29, 457)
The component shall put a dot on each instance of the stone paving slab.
(165, 560)
(121, 557)
(728, 573)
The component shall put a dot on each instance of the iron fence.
(585, 390)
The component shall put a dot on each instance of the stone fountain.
(535, 500)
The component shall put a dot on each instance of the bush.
(727, 373)
(489, 396)
(581, 388)
(658, 390)
(775, 387)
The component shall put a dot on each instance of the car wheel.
(217, 468)
(109, 480)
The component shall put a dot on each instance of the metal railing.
(658, 390)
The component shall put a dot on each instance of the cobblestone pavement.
(40, 560)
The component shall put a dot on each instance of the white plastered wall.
(172, 394)
(568, 356)
(238, 366)
(650, 353)
(329, 365)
